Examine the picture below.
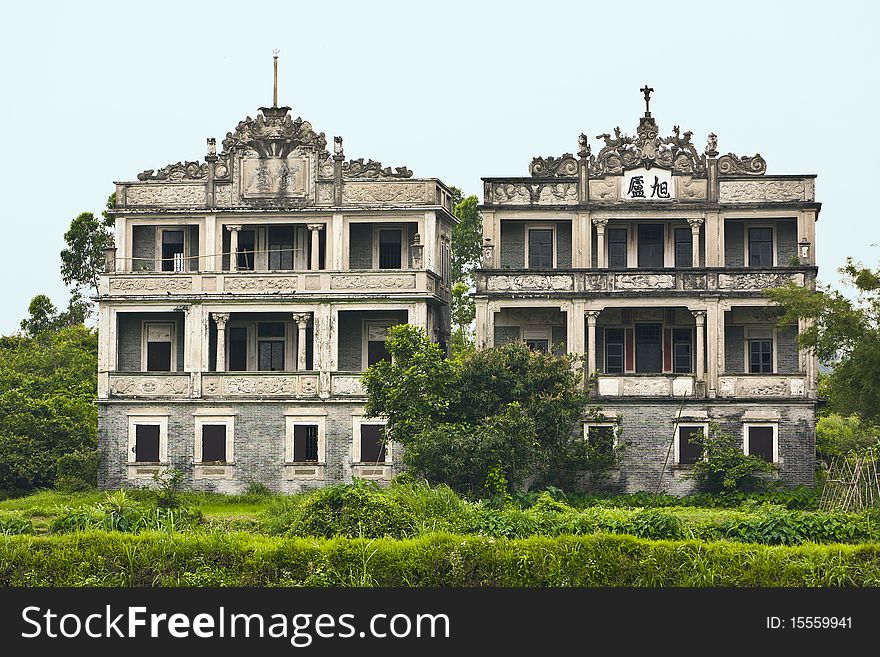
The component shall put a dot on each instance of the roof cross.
(647, 91)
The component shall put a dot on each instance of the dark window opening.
(237, 349)
(760, 442)
(376, 351)
(682, 351)
(760, 356)
(246, 249)
(601, 439)
(649, 352)
(172, 250)
(760, 247)
(158, 357)
(372, 447)
(614, 351)
(684, 247)
(305, 443)
(270, 354)
(146, 443)
(617, 247)
(281, 248)
(213, 443)
(690, 444)
(650, 245)
(541, 249)
(390, 242)
(538, 345)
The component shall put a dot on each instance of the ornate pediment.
(372, 169)
(274, 134)
(644, 150)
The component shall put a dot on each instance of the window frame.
(605, 343)
(773, 425)
(691, 344)
(145, 324)
(160, 231)
(157, 419)
(227, 420)
(664, 241)
(527, 333)
(292, 421)
(365, 337)
(615, 427)
(627, 229)
(357, 423)
(402, 227)
(539, 226)
(747, 246)
(676, 456)
(674, 230)
(759, 333)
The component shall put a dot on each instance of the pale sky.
(96, 92)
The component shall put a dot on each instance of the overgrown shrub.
(15, 524)
(651, 523)
(77, 471)
(724, 467)
(119, 512)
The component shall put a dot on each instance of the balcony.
(342, 283)
(640, 281)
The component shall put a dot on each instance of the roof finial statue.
(647, 91)
(275, 85)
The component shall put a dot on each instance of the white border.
(773, 425)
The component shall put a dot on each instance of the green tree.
(47, 410)
(845, 333)
(724, 467)
(459, 419)
(463, 313)
(837, 434)
(43, 316)
(82, 260)
(467, 238)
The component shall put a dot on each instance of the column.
(208, 238)
(430, 240)
(482, 320)
(491, 308)
(695, 241)
(576, 252)
(586, 240)
(315, 230)
(575, 328)
(592, 316)
(302, 321)
(233, 247)
(338, 249)
(700, 317)
(714, 240)
(417, 315)
(600, 224)
(324, 322)
(106, 348)
(221, 319)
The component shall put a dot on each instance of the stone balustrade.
(645, 385)
(763, 385)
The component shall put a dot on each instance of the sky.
(96, 92)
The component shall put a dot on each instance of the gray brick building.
(652, 258)
(245, 296)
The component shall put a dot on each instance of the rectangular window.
(146, 445)
(690, 444)
(237, 349)
(760, 356)
(159, 347)
(759, 442)
(270, 346)
(649, 351)
(684, 248)
(613, 350)
(538, 345)
(617, 247)
(372, 447)
(760, 247)
(541, 248)
(305, 443)
(682, 358)
(281, 248)
(172, 251)
(213, 443)
(246, 248)
(390, 241)
(650, 245)
(601, 438)
(376, 351)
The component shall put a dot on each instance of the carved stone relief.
(521, 316)
(325, 193)
(595, 282)
(511, 193)
(348, 385)
(756, 281)
(743, 191)
(693, 281)
(553, 193)
(385, 193)
(259, 283)
(372, 282)
(274, 177)
(530, 282)
(603, 190)
(289, 385)
(223, 195)
(150, 386)
(644, 387)
(158, 194)
(644, 281)
(152, 284)
(692, 190)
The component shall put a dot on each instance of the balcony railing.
(763, 385)
(150, 384)
(260, 384)
(742, 386)
(343, 283)
(728, 279)
(645, 385)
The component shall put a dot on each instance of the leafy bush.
(724, 467)
(256, 489)
(15, 524)
(358, 509)
(168, 485)
(163, 559)
(119, 512)
(77, 471)
(651, 523)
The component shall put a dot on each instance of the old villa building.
(245, 296)
(652, 259)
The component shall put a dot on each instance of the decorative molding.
(743, 191)
(349, 386)
(372, 169)
(693, 281)
(644, 281)
(178, 171)
(647, 149)
(356, 282)
(645, 386)
(385, 193)
(169, 194)
(547, 167)
(259, 283)
(150, 386)
(530, 282)
(151, 283)
(223, 195)
(603, 190)
(756, 281)
(595, 282)
(521, 316)
(274, 134)
(692, 190)
(554, 192)
(325, 193)
(731, 165)
(259, 385)
(758, 386)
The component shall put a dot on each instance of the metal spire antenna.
(647, 91)
(275, 85)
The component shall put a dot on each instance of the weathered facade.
(245, 296)
(652, 259)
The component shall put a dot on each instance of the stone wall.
(129, 338)
(512, 245)
(734, 250)
(360, 247)
(143, 248)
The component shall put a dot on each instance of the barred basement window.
(305, 443)
(146, 446)
(690, 444)
(213, 443)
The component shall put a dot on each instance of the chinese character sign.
(648, 185)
